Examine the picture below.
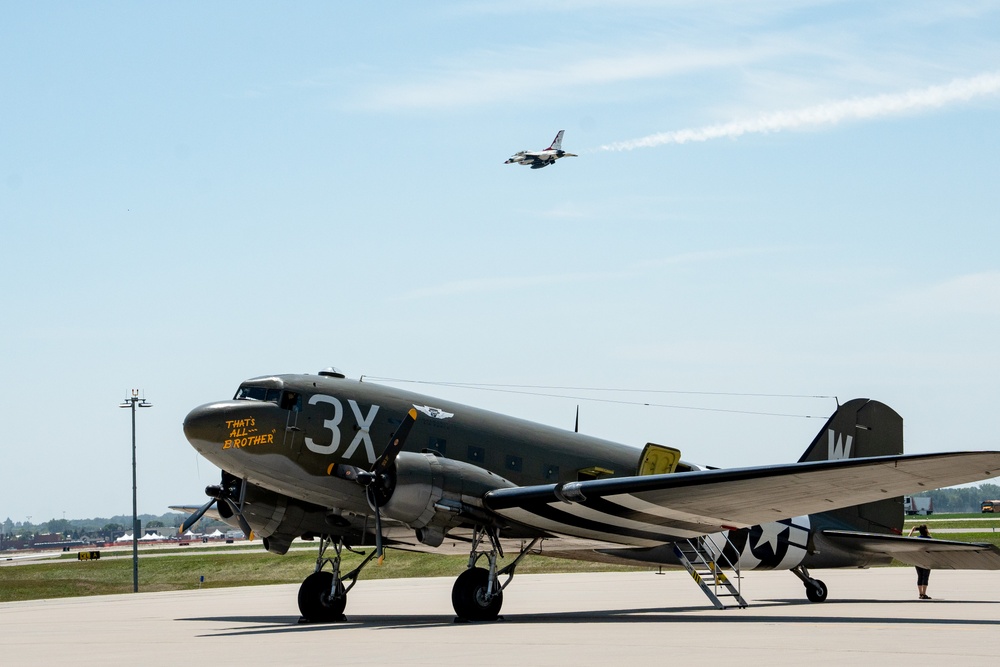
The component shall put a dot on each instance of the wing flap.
(652, 509)
(930, 553)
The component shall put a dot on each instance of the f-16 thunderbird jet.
(352, 464)
(539, 159)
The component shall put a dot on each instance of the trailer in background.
(918, 505)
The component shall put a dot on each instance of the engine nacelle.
(432, 492)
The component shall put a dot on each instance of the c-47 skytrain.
(353, 464)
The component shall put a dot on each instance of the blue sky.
(793, 198)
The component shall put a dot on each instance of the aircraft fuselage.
(287, 440)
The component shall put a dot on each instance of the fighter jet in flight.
(539, 159)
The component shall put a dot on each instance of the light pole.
(133, 402)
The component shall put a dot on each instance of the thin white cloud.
(863, 108)
(703, 256)
(723, 9)
(568, 211)
(470, 84)
(971, 294)
(481, 285)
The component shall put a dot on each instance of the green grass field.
(977, 522)
(231, 567)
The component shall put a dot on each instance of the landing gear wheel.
(816, 591)
(315, 602)
(468, 596)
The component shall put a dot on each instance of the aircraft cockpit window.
(291, 400)
(258, 394)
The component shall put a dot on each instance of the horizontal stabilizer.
(933, 554)
(191, 509)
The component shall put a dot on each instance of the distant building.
(54, 541)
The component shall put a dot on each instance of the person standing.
(923, 573)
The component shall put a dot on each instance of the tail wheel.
(816, 591)
(316, 603)
(468, 596)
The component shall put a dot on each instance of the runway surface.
(871, 617)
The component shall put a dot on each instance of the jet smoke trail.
(959, 90)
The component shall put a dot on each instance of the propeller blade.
(193, 519)
(395, 445)
(379, 553)
(243, 491)
(238, 511)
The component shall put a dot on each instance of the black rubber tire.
(468, 593)
(816, 591)
(315, 602)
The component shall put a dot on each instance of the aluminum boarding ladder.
(704, 563)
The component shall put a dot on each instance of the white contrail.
(959, 90)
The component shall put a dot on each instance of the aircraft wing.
(930, 553)
(653, 509)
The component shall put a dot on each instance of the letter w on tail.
(839, 449)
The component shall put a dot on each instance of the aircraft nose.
(204, 427)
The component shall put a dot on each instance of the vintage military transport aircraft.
(543, 158)
(305, 456)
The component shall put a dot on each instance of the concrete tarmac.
(871, 617)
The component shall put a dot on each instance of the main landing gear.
(323, 595)
(478, 594)
(816, 590)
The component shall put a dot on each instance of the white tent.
(125, 538)
(217, 533)
(152, 537)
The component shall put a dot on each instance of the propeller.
(238, 510)
(194, 518)
(224, 494)
(380, 480)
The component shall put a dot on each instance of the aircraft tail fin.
(557, 142)
(861, 428)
